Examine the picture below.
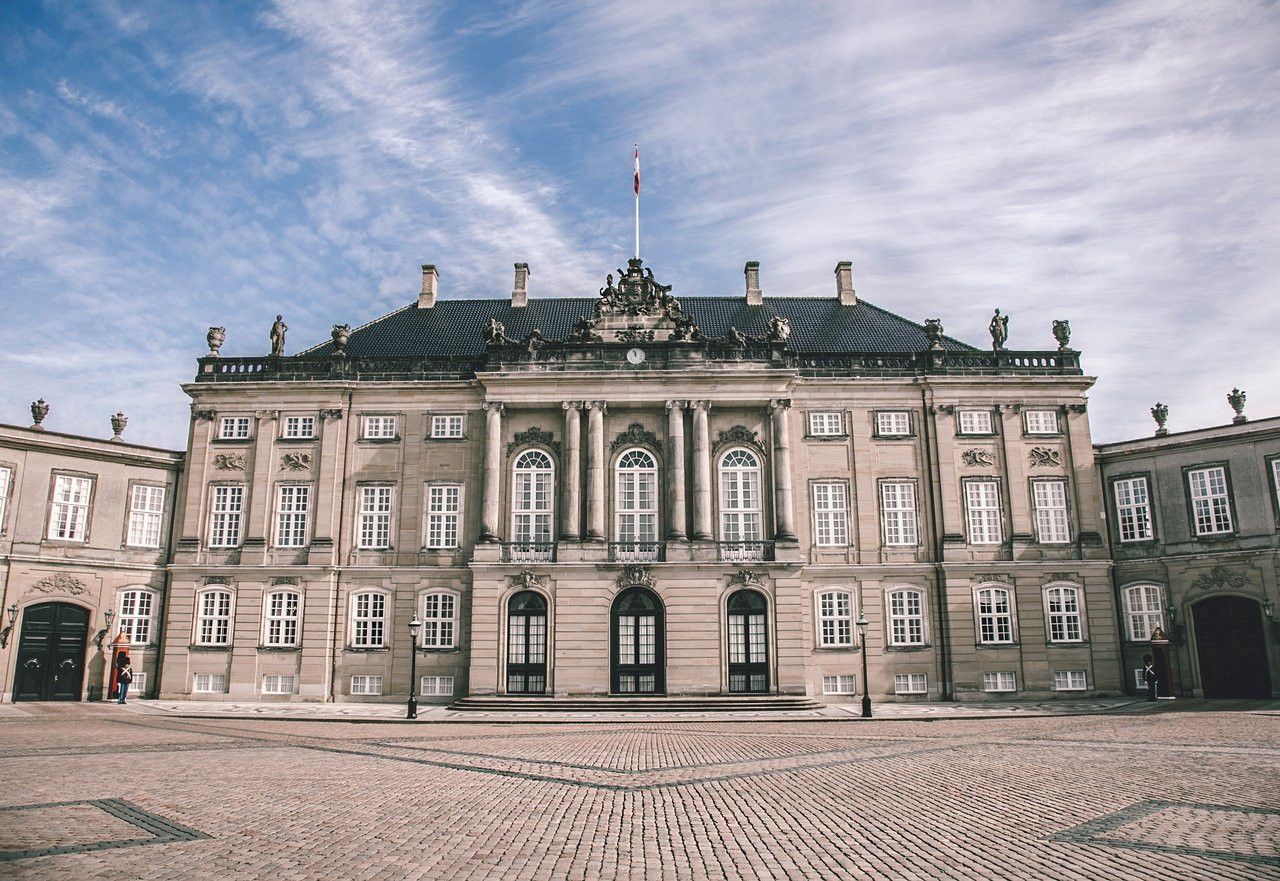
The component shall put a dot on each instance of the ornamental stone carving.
(1046, 457)
(933, 330)
(999, 328)
(533, 435)
(278, 330)
(229, 461)
(746, 578)
(636, 435)
(215, 338)
(635, 334)
(217, 579)
(526, 580)
(1062, 333)
(201, 414)
(341, 334)
(738, 434)
(39, 410)
(977, 458)
(495, 333)
(1160, 413)
(637, 293)
(118, 424)
(779, 329)
(59, 583)
(636, 576)
(288, 579)
(1220, 577)
(1236, 399)
(295, 462)
(332, 413)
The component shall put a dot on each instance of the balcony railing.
(637, 551)
(745, 551)
(528, 552)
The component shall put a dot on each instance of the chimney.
(844, 284)
(520, 293)
(427, 296)
(755, 297)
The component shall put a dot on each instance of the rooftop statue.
(584, 332)
(636, 293)
(933, 330)
(278, 331)
(1062, 333)
(215, 338)
(495, 333)
(999, 328)
(779, 329)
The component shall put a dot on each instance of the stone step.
(614, 704)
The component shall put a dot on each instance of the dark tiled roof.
(453, 328)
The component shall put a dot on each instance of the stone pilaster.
(595, 470)
(571, 478)
(492, 470)
(678, 515)
(783, 492)
(701, 471)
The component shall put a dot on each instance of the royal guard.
(119, 658)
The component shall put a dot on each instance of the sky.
(166, 166)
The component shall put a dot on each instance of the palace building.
(631, 494)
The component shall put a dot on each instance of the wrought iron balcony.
(528, 552)
(637, 551)
(745, 551)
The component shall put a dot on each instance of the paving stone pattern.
(1176, 794)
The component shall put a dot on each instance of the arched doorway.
(638, 650)
(748, 642)
(527, 643)
(51, 653)
(1231, 645)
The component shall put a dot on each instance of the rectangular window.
(831, 514)
(1052, 523)
(373, 524)
(139, 684)
(1140, 678)
(224, 515)
(1144, 610)
(234, 427)
(367, 685)
(282, 619)
(135, 615)
(910, 683)
(439, 619)
(841, 683)
(436, 686)
(293, 511)
(6, 487)
(444, 506)
(69, 518)
(213, 626)
(146, 515)
(277, 684)
(995, 616)
(1069, 680)
(447, 426)
(379, 427)
(982, 507)
(1133, 509)
(368, 620)
(898, 512)
(1063, 607)
(997, 682)
(906, 618)
(893, 423)
(300, 426)
(976, 422)
(1041, 421)
(835, 619)
(1210, 505)
(827, 423)
(210, 683)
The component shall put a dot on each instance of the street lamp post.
(866, 686)
(414, 626)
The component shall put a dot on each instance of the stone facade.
(1194, 535)
(84, 535)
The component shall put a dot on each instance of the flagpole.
(637, 189)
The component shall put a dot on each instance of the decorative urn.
(1062, 333)
(118, 423)
(215, 338)
(933, 330)
(1160, 413)
(39, 410)
(1236, 400)
(341, 334)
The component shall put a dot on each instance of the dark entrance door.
(638, 651)
(748, 643)
(527, 644)
(1232, 648)
(51, 653)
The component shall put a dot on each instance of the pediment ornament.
(633, 576)
(534, 435)
(636, 435)
(1219, 577)
(60, 583)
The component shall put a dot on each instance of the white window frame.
(741, 496)
(448, 426)
(215, 683)
(1210, 503)
(910, 683)
(1008, 615)
(1132, 498)
(1053, 515)
(635, 521)
(438, 611)
(299, 427)
(1143, 617)
(533, 499)
(984, 516)
(1000, 682)
(1275, 486)
(146, 515)
(369, 625)
(826, 423)
(379, 426)
(839, 683)
(135, 614)
(283, 683)
(282, 624)
(370, 684)
(833, 615)
(893, 423)
(435, 685)
(293, 515)
(375, 505)
(214, 622)
(71, 506)
(226, 514)
(907, 621)
(1041, 421)
(1071, 678)
(235, 427)
(444, 516)
(830, 513)
(899, 523)
(6, 489)
(1064, 613)
(975, 422)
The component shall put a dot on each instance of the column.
(677, 516)
(783, 493)
(701, 472)
(595, 470)
(571, 478)
(492, 470)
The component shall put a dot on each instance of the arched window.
(1062, 608)
(636, 506)
(439, 620)
(368, 620)
(213, 621)
(532, 506)
(740, 509)
(282, 619)
(136, 610)
(1143, 610)
(527, 643)
(835, 619)
(995, 615)
(906, 617)
(748, 642)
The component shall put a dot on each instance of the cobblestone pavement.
(100, 792)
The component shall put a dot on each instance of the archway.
(638, 650)
(527, 643)
(748, 623)
(1231, 645)
(51, 653)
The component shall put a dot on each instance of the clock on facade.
(635, 356)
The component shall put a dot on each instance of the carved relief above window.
(1046, 457)
(295, 461)
(739, 434)
(229, 461)
(534, 435)
(636, 435)
(976, 458)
